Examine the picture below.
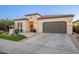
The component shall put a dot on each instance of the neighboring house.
(75, 23)
(46, 24)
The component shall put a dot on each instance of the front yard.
(16, 37)
(6, 33)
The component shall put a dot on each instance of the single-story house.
(45, 24)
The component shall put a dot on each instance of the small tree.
(6, 24)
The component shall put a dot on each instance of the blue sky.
(18, 11)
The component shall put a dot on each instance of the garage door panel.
(54, 27)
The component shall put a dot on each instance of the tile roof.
(55, 16)
(76, 21)
(46, 16)
(33, 14)
(21, 19)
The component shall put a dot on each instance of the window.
(18, 25)
(21, 25)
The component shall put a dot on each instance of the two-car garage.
(56, 24)
(54, 27)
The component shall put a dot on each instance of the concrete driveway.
(55, 42)
(43, 43)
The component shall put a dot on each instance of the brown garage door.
(54, 27)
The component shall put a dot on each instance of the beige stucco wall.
(24, 25)
(34, 19)
(66, 19)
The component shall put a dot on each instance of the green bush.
(12, 37)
